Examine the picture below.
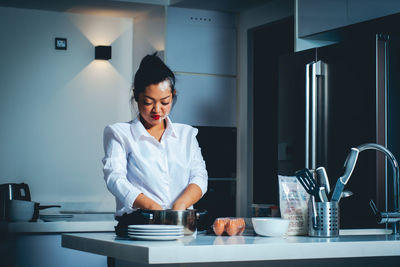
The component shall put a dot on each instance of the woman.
(150, 162)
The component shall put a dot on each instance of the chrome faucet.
(387, 217)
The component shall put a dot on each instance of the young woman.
(150, 162)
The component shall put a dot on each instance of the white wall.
(248, 19)
(201, 50)
(148, 37)
(54, 104)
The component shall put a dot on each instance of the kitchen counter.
(220, 249)
(79, 223)
(57, 227)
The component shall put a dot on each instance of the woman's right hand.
(146, 203)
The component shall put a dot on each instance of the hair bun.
(152, 70)
(151, 61)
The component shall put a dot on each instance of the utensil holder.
(326, 222)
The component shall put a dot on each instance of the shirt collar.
(138, 130)
(170, 131)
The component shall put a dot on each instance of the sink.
(378, 231)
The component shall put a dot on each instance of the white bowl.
(270, 226)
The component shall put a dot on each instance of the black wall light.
(102, 52)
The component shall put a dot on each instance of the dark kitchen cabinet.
(316, 16)
(363, 10)
(265, 55)
(218, 146)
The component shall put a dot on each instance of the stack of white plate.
(155, 231)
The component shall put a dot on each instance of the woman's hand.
(146, 203)
(179, 206)
(155, 206)
(190, 196)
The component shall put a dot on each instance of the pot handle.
(201, 213)
(48, 206)
(147, 214)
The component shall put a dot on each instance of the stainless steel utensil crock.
(326, 223)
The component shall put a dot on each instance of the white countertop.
(58, 227)
(210, 248)
(98, 222)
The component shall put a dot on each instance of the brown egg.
(219, 226)
(232, 227)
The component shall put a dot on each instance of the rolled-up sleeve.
(115, 169)
(198, 171)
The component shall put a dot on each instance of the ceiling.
(234, 6)
(129, 8)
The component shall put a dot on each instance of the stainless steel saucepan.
(23, 211)
(187, 218)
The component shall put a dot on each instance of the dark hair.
(152, 70)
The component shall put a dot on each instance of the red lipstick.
(155, 117)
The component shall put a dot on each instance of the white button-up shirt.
(135, 162)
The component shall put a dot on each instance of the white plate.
(160, 238)
(152, 227)
(155, 234)
(156, 231)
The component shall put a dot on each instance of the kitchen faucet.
(387, 217)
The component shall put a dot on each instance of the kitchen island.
(368, 250)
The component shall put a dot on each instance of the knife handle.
(322, 194)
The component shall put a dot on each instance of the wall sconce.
(102, 52)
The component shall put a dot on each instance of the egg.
(219, 226)
(232, 227)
